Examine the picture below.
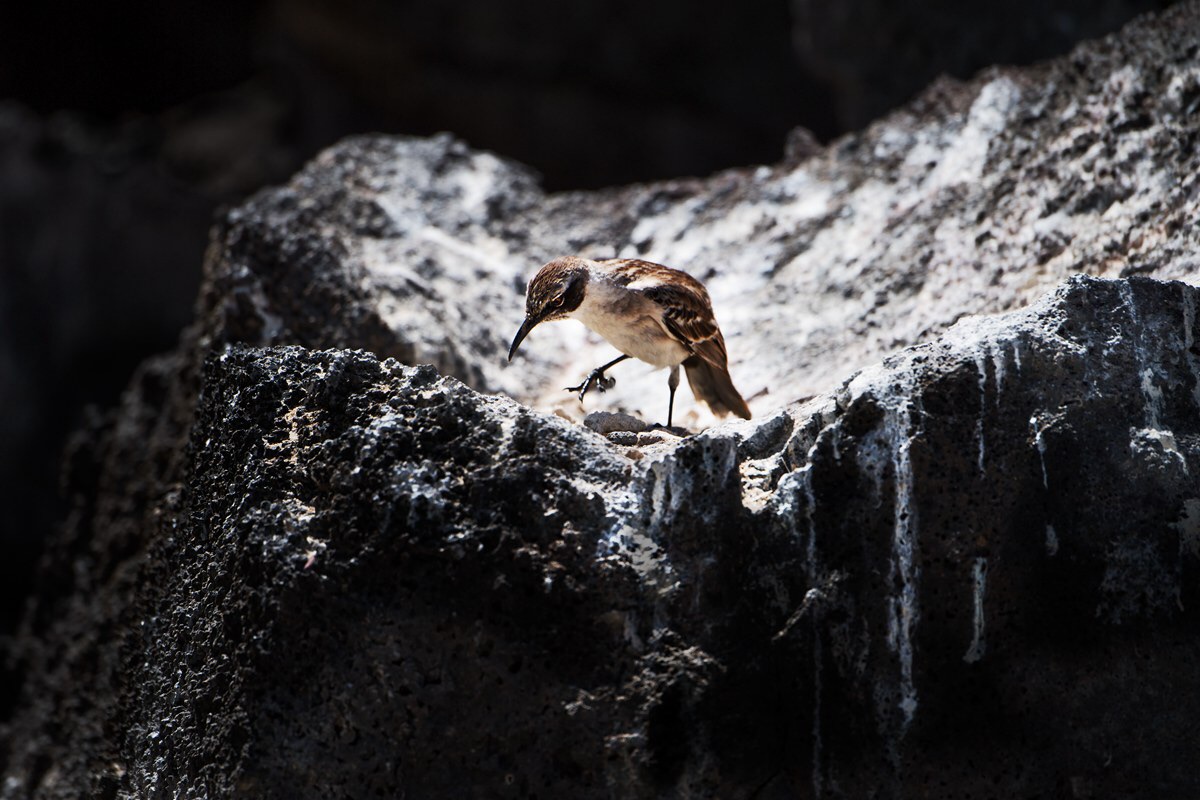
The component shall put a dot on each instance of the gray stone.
(606, 422)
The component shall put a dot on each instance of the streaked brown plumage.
(657, 314)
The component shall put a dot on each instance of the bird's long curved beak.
(526, 327)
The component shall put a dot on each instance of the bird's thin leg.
(673, 384)
(596, 376)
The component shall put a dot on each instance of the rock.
(105, 206)
(965, 566)
(379, 580)
(606, 422)
(977, 198)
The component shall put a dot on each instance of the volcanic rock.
(954, 554)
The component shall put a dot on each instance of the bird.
(650, 312)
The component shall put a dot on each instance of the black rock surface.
(970, 567)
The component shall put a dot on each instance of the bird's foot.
(597, 378)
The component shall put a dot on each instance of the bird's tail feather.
(713, 385)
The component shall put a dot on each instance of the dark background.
(125, 126)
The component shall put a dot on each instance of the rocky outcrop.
(114, 158)
(958, 570)
(298, 567)
(978, 198)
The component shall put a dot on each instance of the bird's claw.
(601, 381)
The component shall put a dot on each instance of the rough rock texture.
(294, 568)
(139, 132)
(970, 567)
(978, 198)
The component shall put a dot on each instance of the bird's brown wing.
(687, 309)
(688, 316)
(634, 270)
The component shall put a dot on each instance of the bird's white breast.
(629, 322)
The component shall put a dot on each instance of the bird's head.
(554, 292)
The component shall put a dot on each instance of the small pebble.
(606, 422)
(627, 438)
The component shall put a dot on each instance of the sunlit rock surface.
(298, 567)
(977, 198)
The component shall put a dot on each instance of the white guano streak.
(978, 645)
(902, 610)
(1151, 393)
(1039, 441)
(810, 507)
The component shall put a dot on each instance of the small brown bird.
(653, 313)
